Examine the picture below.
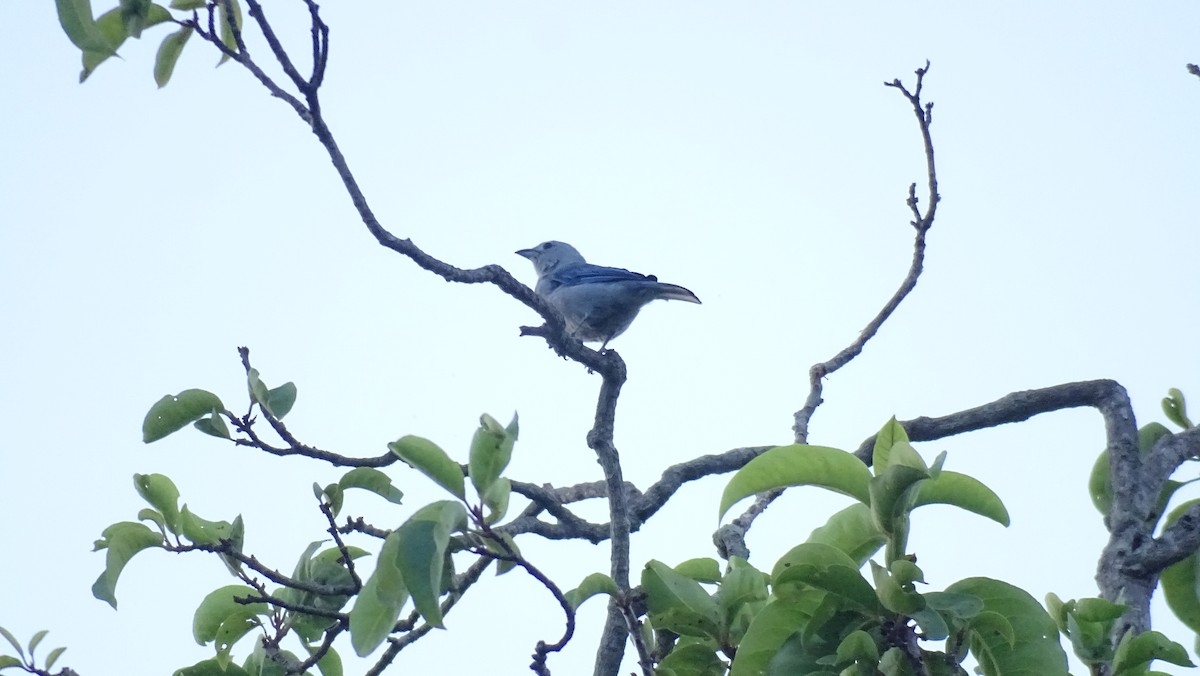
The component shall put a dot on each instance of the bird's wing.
(597, 274)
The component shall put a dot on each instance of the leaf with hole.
(171, 413)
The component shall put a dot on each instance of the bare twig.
(508, 553)
(346, 559)
(730, 539)
(226, 547)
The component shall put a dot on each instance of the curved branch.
(921, 223)
(1011, 408)
(674, 477)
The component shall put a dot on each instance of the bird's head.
(549, 256)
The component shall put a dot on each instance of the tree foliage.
(849, 600)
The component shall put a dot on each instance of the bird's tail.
(676, 292)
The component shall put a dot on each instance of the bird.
(598, 302)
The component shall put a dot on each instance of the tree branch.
(1011, 408)
(730, 539)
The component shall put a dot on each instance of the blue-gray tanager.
(598, 303)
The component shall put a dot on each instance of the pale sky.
(747, 152)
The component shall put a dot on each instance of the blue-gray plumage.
(598, 303)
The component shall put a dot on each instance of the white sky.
(747, 152)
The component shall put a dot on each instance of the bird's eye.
(544, 246)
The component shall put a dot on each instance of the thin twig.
(509, 554)
(730, 539)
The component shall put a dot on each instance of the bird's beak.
(527, 253)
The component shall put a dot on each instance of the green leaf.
(53, 657)
(496, 499)
(371, 479)
(1181, 580)
(171, 413)
(771, 627)
(743, 585)
(256, 388)
(892, 491)
(960, 490)
(379, 603)
(328, 570)
(1090, 640)
(894, 593)
(1098, 610)
(991, 623)
(423, 540)
(429, 459)
(152, 515)
(692, 659)
(219, 607)
(213, 425)
(7, 661)
(122, 540)
(1100, 483)
(799, 465)
(491, 450)
(678, 603)
(212, 667)
(894, 662)
(161, 493)
(76, 19)
(503, 566)
(1135, 654)
(592, 585)
(188, 5)
(844, 582)
(858, 645)
(330, 663)
(815, 554)
(933, 625)
(893, 448)
(1034, 649)
(853, 531)
(12, 640)
(134, 14)
(202, 531)
(227, 32)
(331, 494)
(959, 606)
(112, 28)
(259, 664)
(168, 53)
(1175, 407)
(701, 570)
(281, 399)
